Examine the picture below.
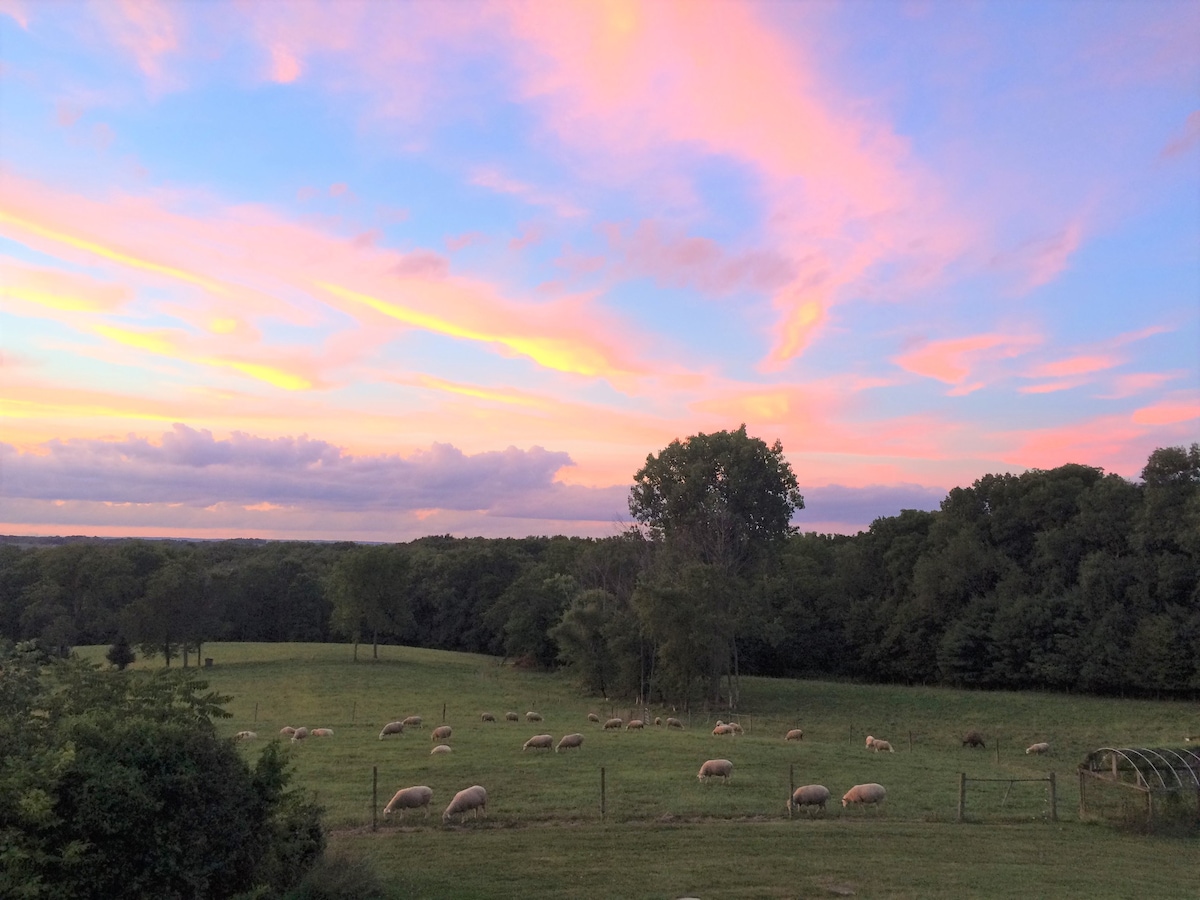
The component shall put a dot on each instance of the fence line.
(1050, 781)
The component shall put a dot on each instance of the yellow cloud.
(142, 341)
(51, 300)
(269, 374)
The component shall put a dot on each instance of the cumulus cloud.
(191, 468)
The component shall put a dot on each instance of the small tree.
(120, 654)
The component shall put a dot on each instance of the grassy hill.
(664, 834)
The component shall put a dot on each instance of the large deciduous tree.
(717, 506)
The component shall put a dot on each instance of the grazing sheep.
(1037, 749)
(719, 724)
(672, 722)
(864, 794)
(879, 746)
(570, 742)
(511, 717)
(736, 728)
(533, 717)
(412, 722)
(715, 768)
(870, 741)
(409, 798)
(440, 749)
(287, 731)
(723, 729)
(472, 798)
(657, 721)
(635, 725)
(613, 723)
(592, 717)
(246, 736)
(1191, 738)
(973, 739)
(796, 734)
(299, 734)
(809, 795)
(391, 728)
(487, 717)
(441, 733)
(322, 732)
(539, 742)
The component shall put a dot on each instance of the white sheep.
(391, 728)
(322, 732)
(472, 798)
(409, 798)
(441, 733)
(487, 717)
(809, 795)
(533, 717)
(879, 746)
(613, 723)
(722, 729)
(735, 728)
(287, 731)
(511, 717)
(570, 742)
(539, 742)
(299, 734)
(412, 722)
(635, 725)
(870, 741)
(1038, 749)
(440, 749)
(796, 734)
(715, 768)
(865, 794)
(592, 717)
(673, 722)
(246, 736)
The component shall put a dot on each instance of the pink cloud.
(494, 180)
(1170, 411)
(285, 67)
(462, 241)
(1075, 365)
(148, 30)
(953, 361)
(1138, 383)
(1183, 142)
(15, 10)
(1041, 260)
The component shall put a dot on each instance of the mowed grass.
(664, 833)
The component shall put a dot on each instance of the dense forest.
(1064, 579)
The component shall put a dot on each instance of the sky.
(371, 271)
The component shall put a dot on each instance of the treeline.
(1064, 579)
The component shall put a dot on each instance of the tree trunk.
(356, 649)
(186, 653)
(167, 651)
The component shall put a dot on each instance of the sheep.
(440, 749)
(246, 736)
(322, 732)
(719, 724)
(879, 745)
(299, 734)
(511, 717)
(487, 717)
(809, 795)
(409, 798)
(539, 742)
(715, 768)
(391, 728)
(870, 741)
(635, 725)
(1037, 749)
(287, 731)
(736, 728)
(672, 722)
(722, 729)
(533, 717)
(973, 739)
(796, 734)
(412, 722)
(864, 794)
(657, 721)
(570, 742)
(441, 733)
(472, 798)
(613, 723)
(592, 717)
(1192, 738)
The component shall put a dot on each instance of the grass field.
(665, 834)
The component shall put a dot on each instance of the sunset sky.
(369, 271)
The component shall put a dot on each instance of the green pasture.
(666, 835)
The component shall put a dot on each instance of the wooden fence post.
(1053, 799)
(255, 713)
(374, 798)
(353, 711)
(1082, 804)
(603, 809)
(443, 712)
(792, 787)
(962, 795)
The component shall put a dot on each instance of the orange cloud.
(952, 361)
(1168, 412)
